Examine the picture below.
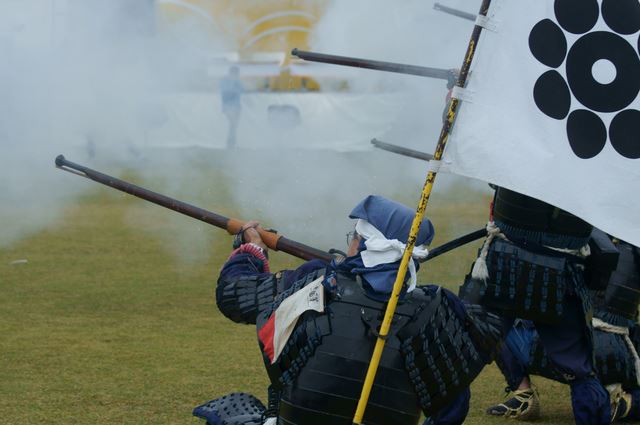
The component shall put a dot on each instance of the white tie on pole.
(381, 250)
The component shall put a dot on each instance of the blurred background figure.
(230, 91)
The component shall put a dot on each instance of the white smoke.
(89, 78)
(409, 32)
(79, 77)
(308, 195)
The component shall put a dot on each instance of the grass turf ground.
(105, 325)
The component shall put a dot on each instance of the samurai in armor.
(317, 326)
(532, 266)
(616, 345)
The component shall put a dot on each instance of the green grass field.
(108, 323)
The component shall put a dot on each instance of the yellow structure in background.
(260, 31)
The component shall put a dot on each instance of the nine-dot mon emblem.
(602, 73)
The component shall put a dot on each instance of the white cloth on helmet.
(381, 250)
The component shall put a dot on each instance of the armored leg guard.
(232, 409)
(524, 405)
(444, 352)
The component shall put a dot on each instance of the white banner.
(552, 110)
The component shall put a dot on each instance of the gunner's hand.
(250, 234)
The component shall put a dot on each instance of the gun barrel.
(455, 12)
(231, 225)
(422, 71)
(456, 243)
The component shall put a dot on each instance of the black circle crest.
(611, 92)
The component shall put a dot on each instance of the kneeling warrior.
(532, 267)
(616, 343)
(317, 326)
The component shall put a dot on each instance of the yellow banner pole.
(415, 226)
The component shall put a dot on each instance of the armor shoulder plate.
(241, 299)
(440, 353)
